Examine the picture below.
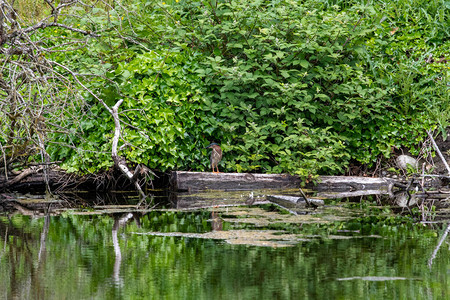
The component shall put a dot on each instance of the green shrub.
(283, 86)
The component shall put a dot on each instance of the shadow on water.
(101, 246)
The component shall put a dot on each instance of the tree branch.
(118, 161)
(436, 148)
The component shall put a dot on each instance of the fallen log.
(337, 195)
(354, 183)
(198, 181)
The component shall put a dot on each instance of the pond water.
(343, 250)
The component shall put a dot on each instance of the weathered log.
(197, 181)
(337, 195)
(353, 183)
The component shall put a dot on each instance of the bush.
(283, 86)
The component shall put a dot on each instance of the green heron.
(216, 156)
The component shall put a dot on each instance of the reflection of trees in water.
(102, 253)
(43, 240)
(216, 221)
(25, 265)
(25, 245)
(120, 221)
(40, 204)
(442, 239)
(89, 199)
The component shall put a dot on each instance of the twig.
(308, 203)
(4, 159)
(349, 38)
(45, 163)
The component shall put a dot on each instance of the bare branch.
(43, 25)
(118, 161)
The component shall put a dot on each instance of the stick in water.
(308, 203)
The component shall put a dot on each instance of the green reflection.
(76, 258)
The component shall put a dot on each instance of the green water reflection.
(97, 257)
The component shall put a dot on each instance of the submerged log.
(292, 202)
(194, 201)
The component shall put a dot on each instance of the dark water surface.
(220, 253)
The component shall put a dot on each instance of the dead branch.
(119, 161)
(25, 173)
(436, 148)
(40, 97)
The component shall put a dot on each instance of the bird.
(216, 156)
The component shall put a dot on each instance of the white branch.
(435, 146)
(117, 161)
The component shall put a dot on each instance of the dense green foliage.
(284, 86)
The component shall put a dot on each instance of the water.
(221, 253)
